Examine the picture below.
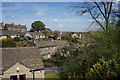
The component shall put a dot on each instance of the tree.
(105, 43)
(98, 11)
(90, 64)
(77, 66)
(38, 26)
(48, 32)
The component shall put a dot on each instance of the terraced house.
(13, 27)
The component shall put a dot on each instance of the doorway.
(14, 77)
(22, 77)
(18, 77)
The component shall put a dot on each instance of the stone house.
(34, 35)
(74, 35)
(79, 35)
(22, 63)
(1, 26)
(13, 27)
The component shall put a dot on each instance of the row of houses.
(35, 35)
(32, 35)
(79, 35)
(13, 27)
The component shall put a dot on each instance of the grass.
(52, 75)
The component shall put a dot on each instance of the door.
(14, 77)
(22, 77)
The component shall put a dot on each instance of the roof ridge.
(18, 47)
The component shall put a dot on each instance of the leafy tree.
(37, 26)
(101, 43)
(48, 32)
(77, 66)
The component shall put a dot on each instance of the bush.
(24, 39)
(43, 39)
(67, 37)
(9, 42)
(17, 38)
(104, 69)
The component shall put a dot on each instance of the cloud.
(60, 26)
(40, 13)
(55, 20)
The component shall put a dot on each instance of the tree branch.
(105, 8)
(109, 10)
(97, 21)
(90, 25)
(100, 9)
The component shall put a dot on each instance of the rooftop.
(28, 56)
(51, 43)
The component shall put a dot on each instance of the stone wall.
(22, 70)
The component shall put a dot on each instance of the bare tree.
(97, 10)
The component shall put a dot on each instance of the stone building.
(13, 27)
(1, 26)
(22, 63)
(49, 48)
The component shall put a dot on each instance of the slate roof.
(6, 32)
(36, 33)
(51, 43)
(28, 56)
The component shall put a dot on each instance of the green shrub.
(67, 37)
(104, 69)
(8, 42)
(17, 38)
(24, 39)
(43, 39)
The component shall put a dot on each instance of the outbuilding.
(22, 64)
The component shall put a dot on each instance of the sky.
(56, 0)
(55, 15)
